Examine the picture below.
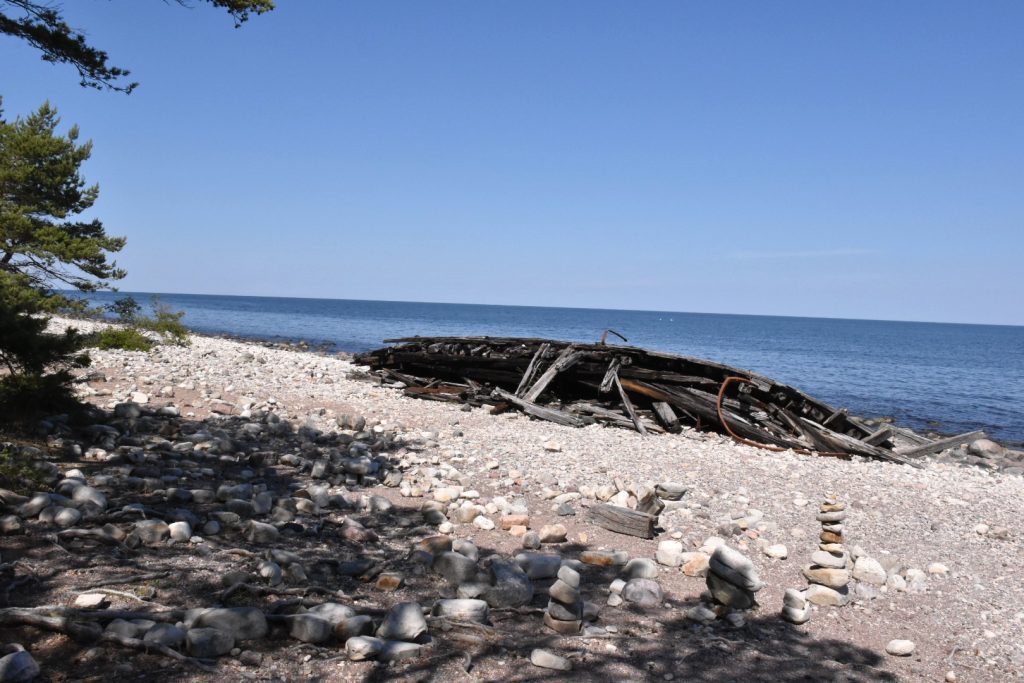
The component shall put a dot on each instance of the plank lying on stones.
(623, 520)
(549, 414)
(941, 444)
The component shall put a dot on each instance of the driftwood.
(575, 384)
(566, 360)
(301, 591)
(623, 520)
(531, 369)
(125, 580)
(556, 416)
(150, 646)
(941, 445)
(83, 626)
(666, 416)
(879, 436)
(628, 405)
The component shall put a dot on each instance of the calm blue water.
(951, 378)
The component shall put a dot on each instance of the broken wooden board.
(940, 445)
(549, 414)
(623, 520)
(565, 360)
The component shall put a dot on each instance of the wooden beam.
(549, 414)
(910, 435)
(878, 436)
(848, 444)
(623, 520)
(703, 406)
(609, 376)
(808, 436)
(666, 416)
(630, 410)
(565, 360)
(941, 445)
(531, 368)
(613, 416)
(831, 418)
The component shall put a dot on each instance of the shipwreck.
(578, 384)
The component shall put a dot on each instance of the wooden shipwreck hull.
(579, 384)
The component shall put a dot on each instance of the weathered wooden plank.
(666, 416)
(565, 360)
(848, 444)
(603, 414)
(860, 425)
(442, 393)
(623, 520)
(403, 378)
(941, 445)
(628, 405)
(609, 376)
(531, 368)
(878, 436)
(910, 435)
(549, 414)
(834, 416)
(703, 406)
(808, 436)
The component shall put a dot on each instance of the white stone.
(91, 601)
(549, 660)
(670, 553)
(484, 523)
(180, 531)
(900, 648)
(869, 570)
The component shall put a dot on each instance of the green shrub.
(19, 474)
(35, 365)
(126, 309)
(125, 338)
(166, 323)
(25, 397)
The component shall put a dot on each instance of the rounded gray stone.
(359, 648)
(539, 565)
(333, 612)
(462, 610)
(455, 567)
(644, 593)
(404, 621)
(242, 623)
(823, 558)
(165, 634)
(549, 660)
(900, 648)
(640, 568)
(206, 643)
(309, 628)
(18, 667)
(735, 568)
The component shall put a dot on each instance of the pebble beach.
(365, 534)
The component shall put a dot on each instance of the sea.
(946, 378)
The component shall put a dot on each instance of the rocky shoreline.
(297, 521)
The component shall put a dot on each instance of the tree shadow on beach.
(343, 566)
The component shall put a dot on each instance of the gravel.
(962, 523)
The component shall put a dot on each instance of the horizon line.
(583, 308)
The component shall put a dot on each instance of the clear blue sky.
(857, 159)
